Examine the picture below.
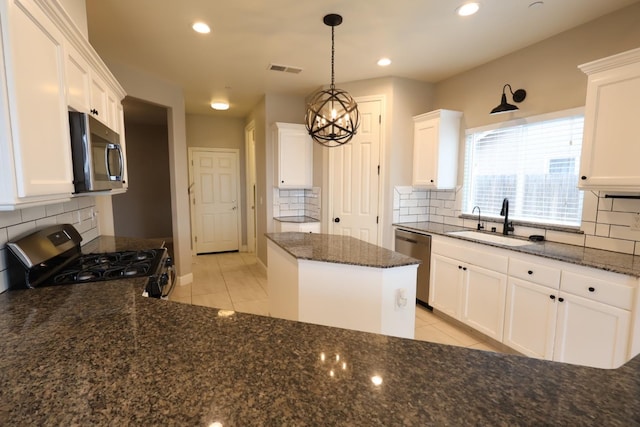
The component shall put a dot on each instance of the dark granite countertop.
(296, 219)
(101, 354)
(338, 249)
(597, 258)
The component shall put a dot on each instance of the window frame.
(466, 208)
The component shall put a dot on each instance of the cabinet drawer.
(616, 291)
(472, 253)
(534, 272)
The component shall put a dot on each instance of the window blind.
(535, 165)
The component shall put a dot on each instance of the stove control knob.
(164, 279)
(168, 262)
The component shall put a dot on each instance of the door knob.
(336, 220)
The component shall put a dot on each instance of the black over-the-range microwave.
(98, 163)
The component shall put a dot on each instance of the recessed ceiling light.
(201, 27)
(468, 9)
(221, 106)
(383, 62)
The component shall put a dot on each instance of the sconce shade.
(504, 107)
(332, 116)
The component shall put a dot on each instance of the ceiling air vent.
(285, 68)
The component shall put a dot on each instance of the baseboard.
(261, 264)
(185, 280)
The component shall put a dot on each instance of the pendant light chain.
(332, 57)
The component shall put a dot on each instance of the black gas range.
(52, 256)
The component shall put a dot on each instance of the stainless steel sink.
(490, 238)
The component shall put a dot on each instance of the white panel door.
(355, 179)
(216, 198)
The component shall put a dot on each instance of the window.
(534, 163)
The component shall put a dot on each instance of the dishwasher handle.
(407, 239)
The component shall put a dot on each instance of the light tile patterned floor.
(235, 281)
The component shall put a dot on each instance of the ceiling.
(425, 39)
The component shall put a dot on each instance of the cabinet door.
(484, 300)
(609, 159)
(425, 153)
(295, 158)
(530, 318)
(445, 289)
(591, 333)
(99, 101)
(38, 105)
(78, 80)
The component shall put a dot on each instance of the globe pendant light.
(332, 116)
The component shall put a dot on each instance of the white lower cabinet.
(541, 308)
(530, 318)
(472, 294)
(591, 333)
(445, 293)
(484, 300)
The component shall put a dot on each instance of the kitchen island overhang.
(341, 281)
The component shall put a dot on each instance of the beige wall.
(147, 87)
(546, 70)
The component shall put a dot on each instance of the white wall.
(147, 87)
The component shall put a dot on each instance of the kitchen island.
(341, 281)
(101, 354)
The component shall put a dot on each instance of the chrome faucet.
(508, 226)
(480, 226)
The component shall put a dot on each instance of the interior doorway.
(215, 199)
(250, 169)
(145, 209)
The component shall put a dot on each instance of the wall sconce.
(504, 107)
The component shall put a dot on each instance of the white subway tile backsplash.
(614, 218)
(621, 232)
(626, 205)
(10, 218)
(71, 205)
(608, 244)
(605, 204)
(58, 208)
(602, 230)
(590, 206)
(588, 228)
(566, 238)
(31, 214)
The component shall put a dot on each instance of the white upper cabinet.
(35, 164)
(611, 146)
(293, 156)
(436, 136)
(48, 68)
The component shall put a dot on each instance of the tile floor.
(235, 281)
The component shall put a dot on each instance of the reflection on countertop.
(101, 354)
(589, 257)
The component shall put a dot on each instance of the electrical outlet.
(635, 222)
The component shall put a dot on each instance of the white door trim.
(382, 176)
(250, 173)
(191, 150)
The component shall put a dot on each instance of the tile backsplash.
(80, 211)
(606, 222)
(303, 202)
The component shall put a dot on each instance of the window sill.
(553, 227)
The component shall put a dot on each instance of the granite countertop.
(101, 354)
(597, 258)
(296, 219)
(338, 249)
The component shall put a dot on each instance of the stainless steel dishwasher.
(417, 246)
